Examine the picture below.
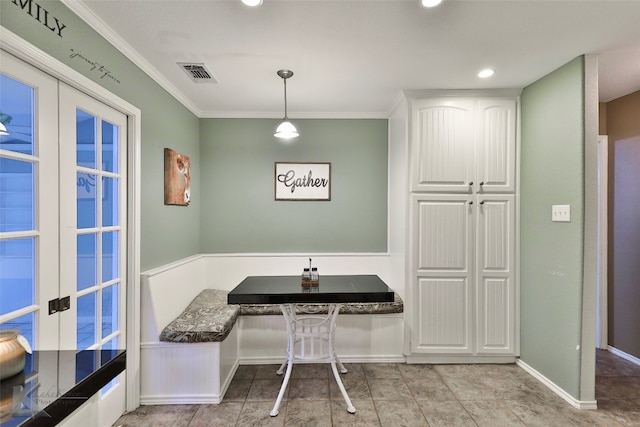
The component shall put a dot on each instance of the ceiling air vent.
(197, 72)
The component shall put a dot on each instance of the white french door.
(63, 231)
(92, 221)
(29, 231)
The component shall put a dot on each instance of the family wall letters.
(41, 15)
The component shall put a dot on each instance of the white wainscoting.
(189, 373)
(172, 373)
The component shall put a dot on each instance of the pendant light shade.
(286, 129)
(3, 130)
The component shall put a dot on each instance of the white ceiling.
(352, 58)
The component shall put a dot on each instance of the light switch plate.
(561, 213)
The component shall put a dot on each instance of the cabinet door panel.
(443, 152)
(495, 294)
(443, 243)
(443, 234)
(495, 324)
(496, 137)
(443, 322)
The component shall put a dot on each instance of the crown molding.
(292, 115)
(95, 22)
(87, 15)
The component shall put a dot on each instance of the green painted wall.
(168, 233)
(233, 192)
(239, 210)
(552, 252)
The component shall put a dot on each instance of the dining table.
(310, 313)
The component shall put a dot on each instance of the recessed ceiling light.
(430, 3)
(487, 72)
(252, 3)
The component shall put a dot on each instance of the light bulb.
(487, 72)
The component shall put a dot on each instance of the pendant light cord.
(285, 98)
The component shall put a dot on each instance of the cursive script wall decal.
(303, 181)
(95, 66)
(290, 180)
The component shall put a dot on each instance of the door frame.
(36, 57)
(602, 336)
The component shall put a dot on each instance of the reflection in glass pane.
(85, 139)
(86, 327)
(109, 256)
(16, 114)
(109, 385)
(25, 324)
(109, 147)
(112, 344)
(16, 195)
(17, 274)
(87, 261)
(109, 310)
(87, 203)
(109, 201)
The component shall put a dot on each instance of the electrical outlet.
(561, 213)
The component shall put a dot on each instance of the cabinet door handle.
(470, 203)
(482, 202)
(471, 183)
(482, 183)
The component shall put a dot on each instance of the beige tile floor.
(407, 395)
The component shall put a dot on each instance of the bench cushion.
(208, 318)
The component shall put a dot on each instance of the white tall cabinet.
(461, 244)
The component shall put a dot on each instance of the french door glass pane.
(87, 203)
(25, 324)
(86, 326)
(109, 310)
(86, 139)
(16, 114)
(109, 201)
(87, 261)
(16, 195)
(17, 274)
(109, 256)
(109, 147)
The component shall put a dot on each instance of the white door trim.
(31, 54)
(602, 338)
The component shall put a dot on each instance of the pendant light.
(286, 129)
(3, 130)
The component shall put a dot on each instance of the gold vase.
(12, 353)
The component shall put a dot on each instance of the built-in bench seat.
(192, 341)
(208, 318)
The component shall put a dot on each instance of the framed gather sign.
(302, 181)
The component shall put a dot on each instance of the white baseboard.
(347, 359)
(578, 404)
(624, 355)
(439, 359)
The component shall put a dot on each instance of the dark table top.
(55, 383)
(331, 289)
